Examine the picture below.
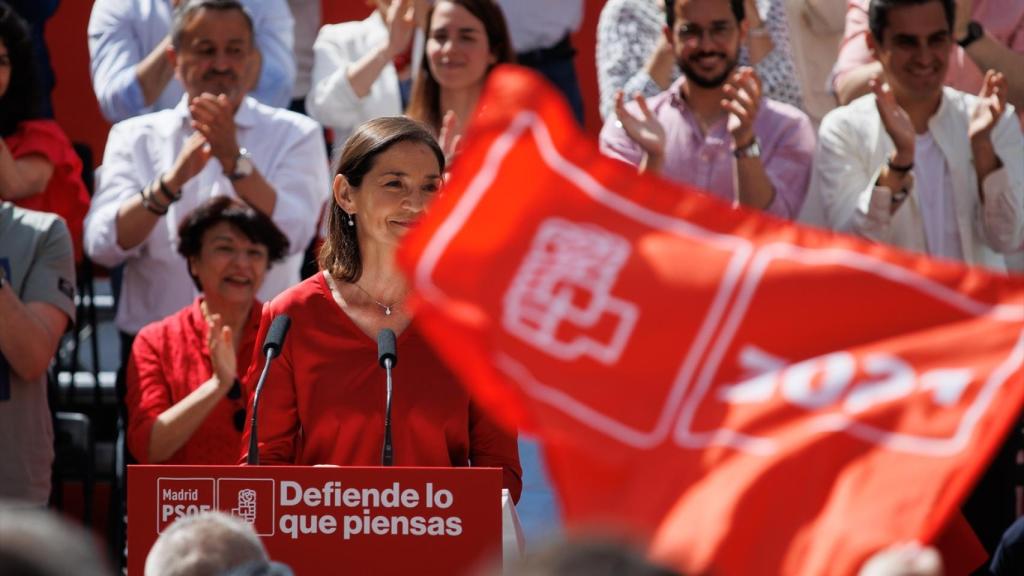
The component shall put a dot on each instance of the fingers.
(227, 336)
(642, 103)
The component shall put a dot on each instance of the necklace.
(386, 307)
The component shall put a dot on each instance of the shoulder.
(786, 115)
(39, 223)
(853, 115)
(138, 127)
(346, 31)
(298, 299)
(167, 331)
(280, 117)
(44, 129)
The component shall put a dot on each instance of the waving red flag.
(746, 395)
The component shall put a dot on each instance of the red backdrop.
(77, 111)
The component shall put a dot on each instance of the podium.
(324, 520)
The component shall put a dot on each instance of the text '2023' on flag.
(745, 395)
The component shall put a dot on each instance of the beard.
(704, 81)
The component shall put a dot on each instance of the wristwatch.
(243, 165)
(974, 32)
(752, 150)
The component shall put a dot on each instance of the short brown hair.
(425, 104)
(255, 225)
(339, 254)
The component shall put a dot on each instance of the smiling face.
(706, 40)
(230, 267)
(914, 50)
(458, 51)
(393, 195)
(214, 52)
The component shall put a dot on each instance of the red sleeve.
(43, 138)
(147, 393)
(278, 416)
(491, 446)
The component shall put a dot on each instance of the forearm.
(989, 54)
(154, 72)
(660, 66)
(854, 83)
(174, 426)
(25, 340)
(22, 178)
(365, 71)
(257, 192)
(134, 222)
(985, 162)
(754, 188)
(651, 163)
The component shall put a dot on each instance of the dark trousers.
(557, 64)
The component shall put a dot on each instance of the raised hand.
(990, 107)
(190, 161)
(450, 137)
(401, 22)
(214, 118)
(742, 101)
(645, 130)
(221, 345)
(895, 119)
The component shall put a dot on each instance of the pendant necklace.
(386, 307)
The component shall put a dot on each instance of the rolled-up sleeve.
(331, 101)
(114, 52)
(118, 180)
(1002, 211)
(788, 167)
(275, 38)
(302, 184)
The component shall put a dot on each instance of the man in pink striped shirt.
(712, 128)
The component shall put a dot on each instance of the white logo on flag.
(246, 509)
(562, 293)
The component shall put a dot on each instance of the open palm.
(645, 130)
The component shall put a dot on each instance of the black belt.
(563, 50)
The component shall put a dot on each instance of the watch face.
(243, 167)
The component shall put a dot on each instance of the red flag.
(746, 395)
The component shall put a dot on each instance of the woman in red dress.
(39, 169)
(324, 399)
(184, 399)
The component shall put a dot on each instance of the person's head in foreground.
(36, 542)
(592, 556)
(208, 544)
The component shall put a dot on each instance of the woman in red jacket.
(39, 169)
(324, 399)
(184, 399)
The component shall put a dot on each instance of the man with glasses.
(712, 128)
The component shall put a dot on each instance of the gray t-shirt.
(36, 253)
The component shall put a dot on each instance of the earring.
(351, 222)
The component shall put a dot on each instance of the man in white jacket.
(917, 165)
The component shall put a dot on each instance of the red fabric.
(746, 395)
(323, 402)
(65, 194)
(169, 360)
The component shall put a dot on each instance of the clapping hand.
(645, 130)
(190, 161)
(896, 121)
(214, 118)
(742, 101)
(401, 22)
(221, 345)
(450, 137)
(990, 107)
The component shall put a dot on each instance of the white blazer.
(852, 148)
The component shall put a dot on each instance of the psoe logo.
(180, 497)
(251, 499)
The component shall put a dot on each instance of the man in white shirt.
(131, 75)
(917, 165)
(217, 141)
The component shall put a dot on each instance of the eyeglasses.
(719, 32)
(235, 393)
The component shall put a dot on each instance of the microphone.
(387, 355)
(271, 349)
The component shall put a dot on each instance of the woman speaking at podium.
(324, 397)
